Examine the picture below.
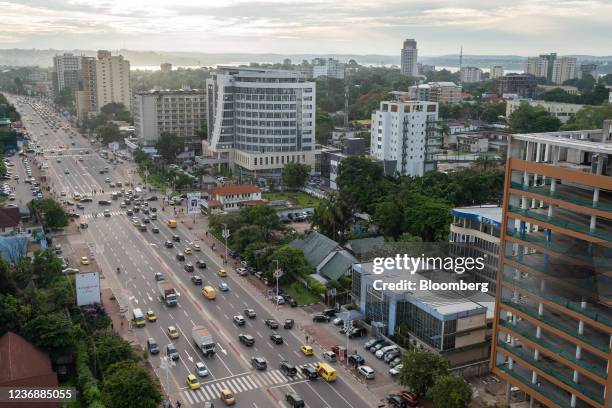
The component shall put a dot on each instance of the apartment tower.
(553, 323)
(409, 54)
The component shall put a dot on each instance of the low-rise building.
(10, 219)
(560, 110)
(327, 258)
(232, 197)
(441, 92)
(472, 143)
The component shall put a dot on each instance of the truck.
(167, 293)
(203, 340)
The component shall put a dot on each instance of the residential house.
(232, 197)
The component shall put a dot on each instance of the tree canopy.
(450, 391)
(53, 332)
(420, 370)
(295, 175)
(589, 117)
(533, 119)
(169, 145)
(125, 383)
(49, 212)
(108, 134)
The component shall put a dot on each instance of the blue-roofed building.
(477, 232)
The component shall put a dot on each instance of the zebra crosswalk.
(100, 215)
(240, 383)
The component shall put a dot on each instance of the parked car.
(366, 371)
(320, 318)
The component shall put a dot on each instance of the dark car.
(288, 369)
(196, 280)
(168, 244)
(320, 318)
(372, 343)
(176, 238)
(294, 400)
(290, 301)
(271, 323)
(152, 346)
(201, 264)
(330, 312)
(246, 339)
(310, 372)
(155, 230)
(288, 324)
(159, 276)
(358, 332)
(180, 256)
(152, 198)
(276, 338)
(104, 202)
(129, 213)
(356, 360)
(259, 363)
(188, 267)
(396, 401)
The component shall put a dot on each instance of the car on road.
(294, 400)
(171, 351)
(189, 267)
(155, 230)
(188, 251)
(222, 273)
(168, 244)
(201, 264)
(239, 320)
(201, 369)
(310, 372)
(366, 371)
(104, 202)
(196, 280)
(338, 321)
(152, 346)
(330, 356)
(250, 313)
(390, 356)
(259, 363)
(271, 323)
(193, 382)
(84, 260)
(383, 351)
(320, 318)
(66, 171)
(330, 312)
(176, 238)
(288, 369)
(180, 256)
(246, 339)
(107, 213)
(159, 276)
(172, 332)
(227, 397)
(223, 287)
(151, 316)
(288, 324)
(276, 338)
(306, 350)
(196, 247)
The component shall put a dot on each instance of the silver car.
(201, 369)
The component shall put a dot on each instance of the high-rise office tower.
(409, 56)
(261, 119)
(66, 72)
(553, 325)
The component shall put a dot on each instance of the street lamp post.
(278, 272)
(226, 235)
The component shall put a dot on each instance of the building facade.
(564, 69)
(328, 68)
(588, 69)
(66, 72)
(523, 85)
(470, 74)
(408, 56)
(553, 323)
(497, 72)
(232, 197)
(441, 92)
(181, 112)
(562, 111)
(404, 136)
(113, 80)
(165, 67)
(261, 119)
(537, 66)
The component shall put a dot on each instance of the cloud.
(358, 26)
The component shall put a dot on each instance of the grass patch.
(298, 198)
(301, 294)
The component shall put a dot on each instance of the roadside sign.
(277, 273)
(193, 203)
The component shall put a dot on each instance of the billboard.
(193, 203)
(87, 288)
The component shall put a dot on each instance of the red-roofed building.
(9, 220)
(24, 365)
(233, 196)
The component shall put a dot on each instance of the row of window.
(265, 123)
(270, 98)
(266, 115)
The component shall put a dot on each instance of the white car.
(239, 320)
(380, 353)
(366, 371)
(279, 300)
(395, 370)
(201, 369)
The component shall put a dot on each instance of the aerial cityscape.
(306, 204)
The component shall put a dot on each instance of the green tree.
(589, 117)
(10, 318)
(420, 370)
(262, 216)
(388, 216)
(53, 332)
(450, 391)
(126, 384)
(111, 349)
(362, 182)
(245, 236)
(23, 272)
(115, 111)
(295, 175)
(324, 125)
(169, 146)
(291, 261)
(108, 134)
(532, 119)
(332, 217)
(140, 156)
(49, 212)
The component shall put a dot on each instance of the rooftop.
(235, 189)
(9, 217)
(487, 214)
(578, 140)
(24, 364)
(316, 247)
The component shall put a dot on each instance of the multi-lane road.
(139, 255)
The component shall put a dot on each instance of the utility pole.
(225, 234)
(278, 272)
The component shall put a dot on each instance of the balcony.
(554, 349)
(527, 384)
(566, 194)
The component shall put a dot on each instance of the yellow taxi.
(222, 273)
(307, 350)
(196, 247)
(84, 260)
(188, 251)
(227, 397)
(172, 332)
(192, 382)
(151, 316)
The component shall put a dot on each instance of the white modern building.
(181, 112)
(404, 135)
(562, 111)
(441, 92)
(259, 120)
(66, 72)
(470, 74)
(328, 68)
(564, 69)
(497, 72)
(409, 55)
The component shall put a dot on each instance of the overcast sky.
(522, 27)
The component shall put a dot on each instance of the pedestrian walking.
(178, 404)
